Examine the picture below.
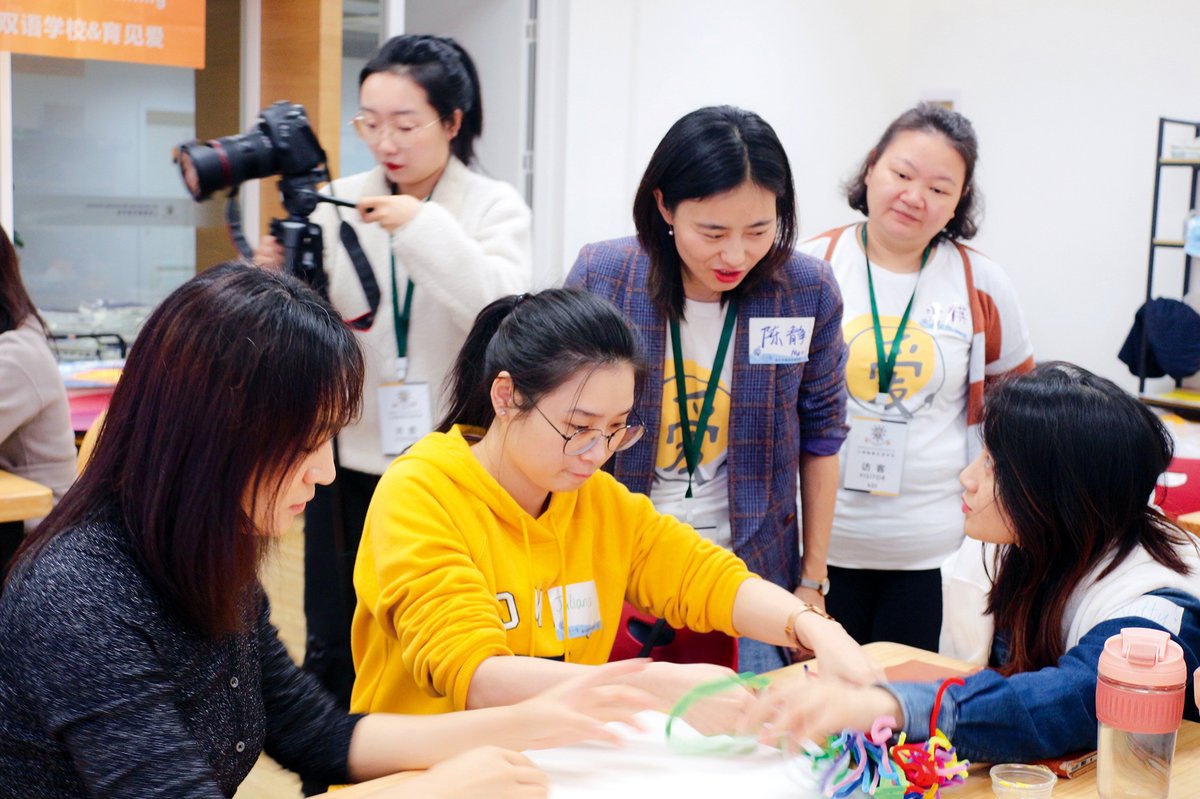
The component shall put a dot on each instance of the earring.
(670, 231)
(500, 412)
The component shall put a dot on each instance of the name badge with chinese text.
(875, 455)
(780, 339)
(405, 415)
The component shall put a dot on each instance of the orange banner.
(166, 32)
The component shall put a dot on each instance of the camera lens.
(224, 162)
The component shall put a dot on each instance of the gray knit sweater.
(106, 692)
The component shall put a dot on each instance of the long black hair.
(958, 131)
(542, 340)
(441, 67)
(233, 379)
(707, 152)
(15, 304)
(1075, 459)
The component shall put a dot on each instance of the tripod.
(303, 245)
(302, 240)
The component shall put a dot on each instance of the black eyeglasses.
(585, 438)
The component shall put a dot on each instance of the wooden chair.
(89, 443)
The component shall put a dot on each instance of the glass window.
(104, 226)
(362, 25)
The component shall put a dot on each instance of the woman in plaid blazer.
(716, 224)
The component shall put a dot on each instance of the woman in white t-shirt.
(913, 406)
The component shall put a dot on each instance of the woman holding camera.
(442, 242)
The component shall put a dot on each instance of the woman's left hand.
(841, 658)
(391, 212)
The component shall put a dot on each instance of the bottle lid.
(1141, 656)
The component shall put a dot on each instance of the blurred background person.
(36, 439)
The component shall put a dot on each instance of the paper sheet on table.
(646, 767)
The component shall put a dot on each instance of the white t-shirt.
(923, 524)
(708, 509)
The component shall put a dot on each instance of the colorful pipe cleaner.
(852, 761)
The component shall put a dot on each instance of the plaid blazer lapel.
(752, 434)
(635, 466)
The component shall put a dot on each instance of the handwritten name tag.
(780, 339)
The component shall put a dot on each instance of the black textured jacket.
(105, 692)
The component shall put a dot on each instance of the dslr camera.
(280, 143)
(283, 143)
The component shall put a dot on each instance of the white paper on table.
(646, 767)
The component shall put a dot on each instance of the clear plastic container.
(1139, 704)
(1191, 233)
(1019, 781)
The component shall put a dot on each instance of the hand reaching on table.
(579, 708)
(842, 659)
(712, 715)
(808, 707)
(487, 771)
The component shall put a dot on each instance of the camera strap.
(366, 276)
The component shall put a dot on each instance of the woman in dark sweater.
(137, 656)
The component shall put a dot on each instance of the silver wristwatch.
(821, 587)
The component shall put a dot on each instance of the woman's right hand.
(580, 708)
(486, 771)
(269, 253)
(713, 715)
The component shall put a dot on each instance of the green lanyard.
(400, 320)
(886, 365)
(692, 441)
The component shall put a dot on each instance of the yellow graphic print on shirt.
(919, 373)
(672, 465)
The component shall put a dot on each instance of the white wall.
(493, 32)
(1064, 96)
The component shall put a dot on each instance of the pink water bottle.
(1139, 704)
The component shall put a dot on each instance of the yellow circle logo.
(916, 361)
(670, 437)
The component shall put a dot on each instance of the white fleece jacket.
(469, 245)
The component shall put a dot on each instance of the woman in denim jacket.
(1060, 490)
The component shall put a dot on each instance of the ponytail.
(471, 129)
(467, 383)
(542, 340)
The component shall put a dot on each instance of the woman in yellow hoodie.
(496, 555)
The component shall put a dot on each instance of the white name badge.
(699, 518)
(583, 609)
(875, 455)
(780, 339)
(405, 415)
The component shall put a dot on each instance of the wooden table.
(22, 499)
(1185, 772)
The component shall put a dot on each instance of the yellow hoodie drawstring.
(533, 592)
(562, 570)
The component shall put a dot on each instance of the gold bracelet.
(789, 629)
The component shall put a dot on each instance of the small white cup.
(1019, 781)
